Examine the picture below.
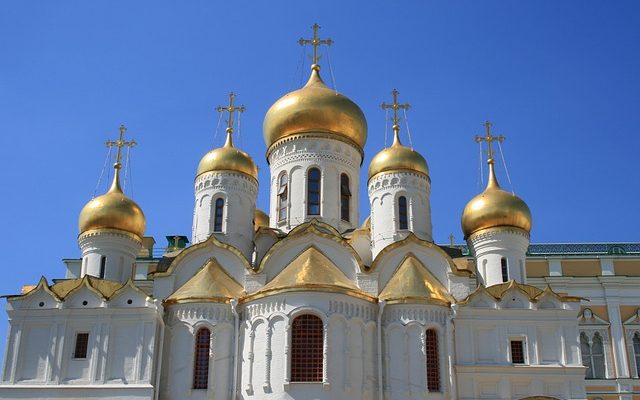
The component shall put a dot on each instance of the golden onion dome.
(495, 207)
(261, 219)
(228, 158)
(113, 210)
(315, 108)
(398, 157)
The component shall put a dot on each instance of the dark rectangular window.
(283, 197)
(217, 216)
(345, 198)
(201, 359)
(307, 349)
(403, 220)
(517, 352)
(82, 345)
(433, 362)
(103, 265)
(505, 269)
(313, 192)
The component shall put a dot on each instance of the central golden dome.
(398, 157)
(228, 158)
(315, 108)
(495, 207)
(112, 210)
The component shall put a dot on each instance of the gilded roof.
(311, 271)
(398, 158)
(211, 284)
(62, 289)
(414, 283)
(533, 293)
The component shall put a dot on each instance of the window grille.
(433, 362)
(306, 349)
(517, 352)
(313, 192)
(345, 198)
(82, 345)
(403, 220)
(217, 216)
(201, 359)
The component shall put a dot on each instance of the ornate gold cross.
(120, 143)
(315, 42)
(395, 106)
(489, 138)
(230, 109)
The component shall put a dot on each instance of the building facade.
(306, 303)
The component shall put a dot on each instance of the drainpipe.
(236, 343)
(159, 363)
(452, 350)
(381, 305)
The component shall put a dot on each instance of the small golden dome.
(228, 158)
(315, 108)
(261, 219)
(113, 210)
(495, 207)
(398, 157)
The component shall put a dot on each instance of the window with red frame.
(306, 349)
(201, 359)
(433, 361)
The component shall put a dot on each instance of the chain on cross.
(315, 42)
(230, 109)
(489, 138)
(120, 143)
(395, 106)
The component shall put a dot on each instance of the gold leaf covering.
(211, 284)
(261, 219)
(412, 282)
(228, 158)
(398, 158)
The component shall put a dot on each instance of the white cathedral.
(306, 303)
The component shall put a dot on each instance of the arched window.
(505, 269)
(403, 220)
(345, 198)
(283, 196)
(307, 336)
(433, 362)
(217, 215)
(313, 192)
(636, 351)
(593, 356)
(201, 359)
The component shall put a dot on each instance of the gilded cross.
(120, 143)
(230, 109)
(315, 42)
(489, 138)
(451, 239)
(395, 106)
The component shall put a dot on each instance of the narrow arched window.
(307, 337)
(345, 198)
(433, 361)
(217, 215)
(313, 192)
(636, 351)
(403, 220)
(201, 359)
(505, 269)
(597, 356)
(283, 196)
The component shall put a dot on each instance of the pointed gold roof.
(533, 293)
(62, 289)
(311, 271)
(211, 284)
(414, 283)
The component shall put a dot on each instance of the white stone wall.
(384, 190)
(120, 250)
(239, 193)
(491, 245)
(333, 158)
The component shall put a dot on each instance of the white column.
(617, 339)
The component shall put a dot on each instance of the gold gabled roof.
(61, 290)
(311, 271)
(414, 283)
(211, 284)
(531, 292)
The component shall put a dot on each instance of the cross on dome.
(489, 138)
(120, 143)
(230, 109)
(395, 106)
(315, 42)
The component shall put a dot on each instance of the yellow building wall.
(581, 268)
(627, 267)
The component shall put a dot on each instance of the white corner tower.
(226, 189)
(111, 228)
(315, 138)
(496, 225)
(399, 190)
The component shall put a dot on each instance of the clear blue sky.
(560, 79)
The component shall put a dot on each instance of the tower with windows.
(496, 225)
(226, 189)
(399, 190)
(315, 138)
(111, 228)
